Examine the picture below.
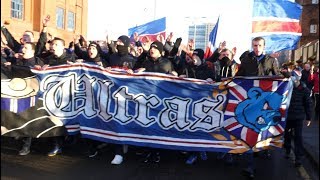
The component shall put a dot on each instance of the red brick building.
(309, 21)
(67, 17)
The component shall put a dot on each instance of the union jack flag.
(237, 93)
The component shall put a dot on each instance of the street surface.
(73, 163)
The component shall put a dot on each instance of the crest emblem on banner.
(254, 114)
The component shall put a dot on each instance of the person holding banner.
(224, 66)
(91, 55)
(257, 63)
(198, 70)
(124, 60)
(154, 62)
(58, 57)
(20, 68)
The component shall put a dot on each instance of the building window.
(313, 28)
(71, 18)
(60, 17)
(17, 9)
(315, 1)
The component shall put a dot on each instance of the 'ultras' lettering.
(69, 96)
(175, 113)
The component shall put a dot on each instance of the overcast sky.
(116, 17)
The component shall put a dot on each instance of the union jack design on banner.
(239, 91)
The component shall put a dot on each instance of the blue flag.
(151, 29)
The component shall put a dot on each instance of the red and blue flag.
(211, 47)
(277, 21)
(151, 29)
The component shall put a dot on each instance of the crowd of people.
(169, 57)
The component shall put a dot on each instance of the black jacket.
(117, 60)
(21, 68)
(53, 60)
(29, 62)
(250, 66)
(300, 104)
(161, 65)
(199, 72)
(84, 54)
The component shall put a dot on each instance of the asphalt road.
(73, 163)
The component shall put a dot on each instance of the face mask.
(122, 50)
(225, 59)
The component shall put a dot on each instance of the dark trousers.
(316, 107)
(294, 130)
(92, 144)
(58, 141)
(118, 149)
(250, 161)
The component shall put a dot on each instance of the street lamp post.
(155, 10)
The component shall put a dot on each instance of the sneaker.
(156, 157)
(93, 153)
(203, 155)
(24, 151)
(118, 159)
(192, 159)
(55, 151)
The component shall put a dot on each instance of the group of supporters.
(162, 56)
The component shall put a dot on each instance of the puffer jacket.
(300, 104)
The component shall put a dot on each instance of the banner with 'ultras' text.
(147, 109)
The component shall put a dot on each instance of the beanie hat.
(199, 53)
(96, 45)
(125, 40)
(158, 45)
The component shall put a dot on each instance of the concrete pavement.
(311, 141)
